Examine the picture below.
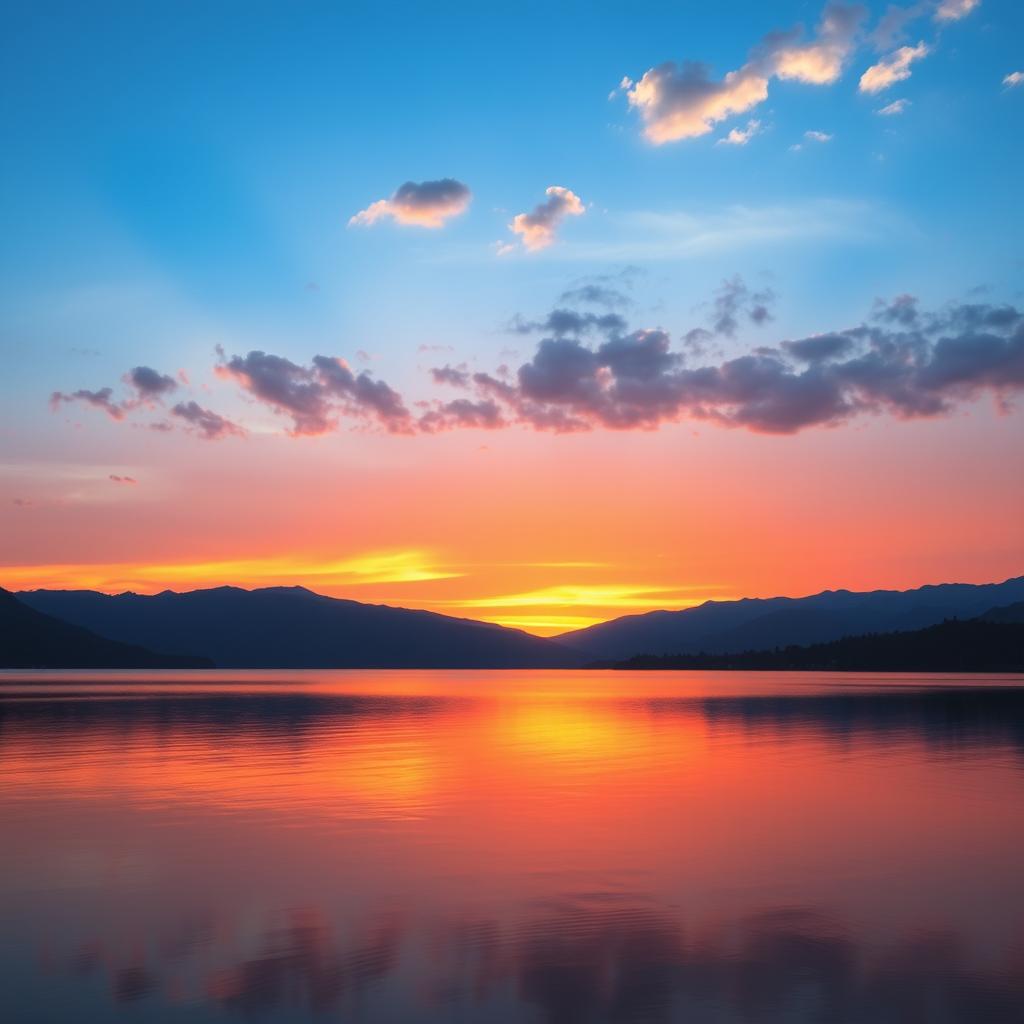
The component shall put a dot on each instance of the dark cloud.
(734, 301)
(905, 363)
(819, 347)
(207, 423)
(607, 290)
(428, 195)
(149, 383)
(596, 295)
(114, 478)
(484, 414)
(101, 399)
(455, 375)
(900, 310)
(561, 322)
(697, 342)
(315, 396)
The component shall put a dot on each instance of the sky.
(540, 314)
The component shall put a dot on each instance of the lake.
(511, 846)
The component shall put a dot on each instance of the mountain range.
(30, 639)
(988, 644)
(753, 624)
(291, 627)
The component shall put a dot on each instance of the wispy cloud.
(892, 69)
(954, 10)
(1013, 79)
(893, 109)
(741, 136)
(679, 235)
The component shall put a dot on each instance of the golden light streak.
(545, 625)
(611, 595)
(412, 566)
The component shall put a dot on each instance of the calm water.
(395, 846)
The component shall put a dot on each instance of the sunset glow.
(366, 357)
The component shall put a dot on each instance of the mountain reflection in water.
(512, 847)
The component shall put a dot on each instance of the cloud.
(892, 69)
(316, 396)
(149, 388)
(1013, 79)
(426, 204)
(569, 321)
(603, 289)
(735, 300)
(820, 62)
(463, 413)
(904, 363)
(149, 383)
(818, 348)
(891, 26)
(207, 423)
(596, 295)
(130, 480)
(101, 399)
(815, 136)
(537, 228)
(458, 376)
(894, 108)
(682, 101)
(684, 234)
(741, 136)
(954, 10)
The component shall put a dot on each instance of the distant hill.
(291, 627)
(30, 639)
(754, 624)
(952, 646)
(1008, 613)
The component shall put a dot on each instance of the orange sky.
(543, 532)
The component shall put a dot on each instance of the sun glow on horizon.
(370, 577)
(410, 566)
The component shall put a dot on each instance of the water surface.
(511, 846)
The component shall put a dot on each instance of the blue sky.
(215, 152)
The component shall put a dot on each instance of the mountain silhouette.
(753, 624)
(30, 639)
(1008, 613)
(977, 645)
(291, 627)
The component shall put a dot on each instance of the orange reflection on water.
(234, 840)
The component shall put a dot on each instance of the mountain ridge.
(33, 639)
(754, 623)
(293, 627)
(990, 643)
